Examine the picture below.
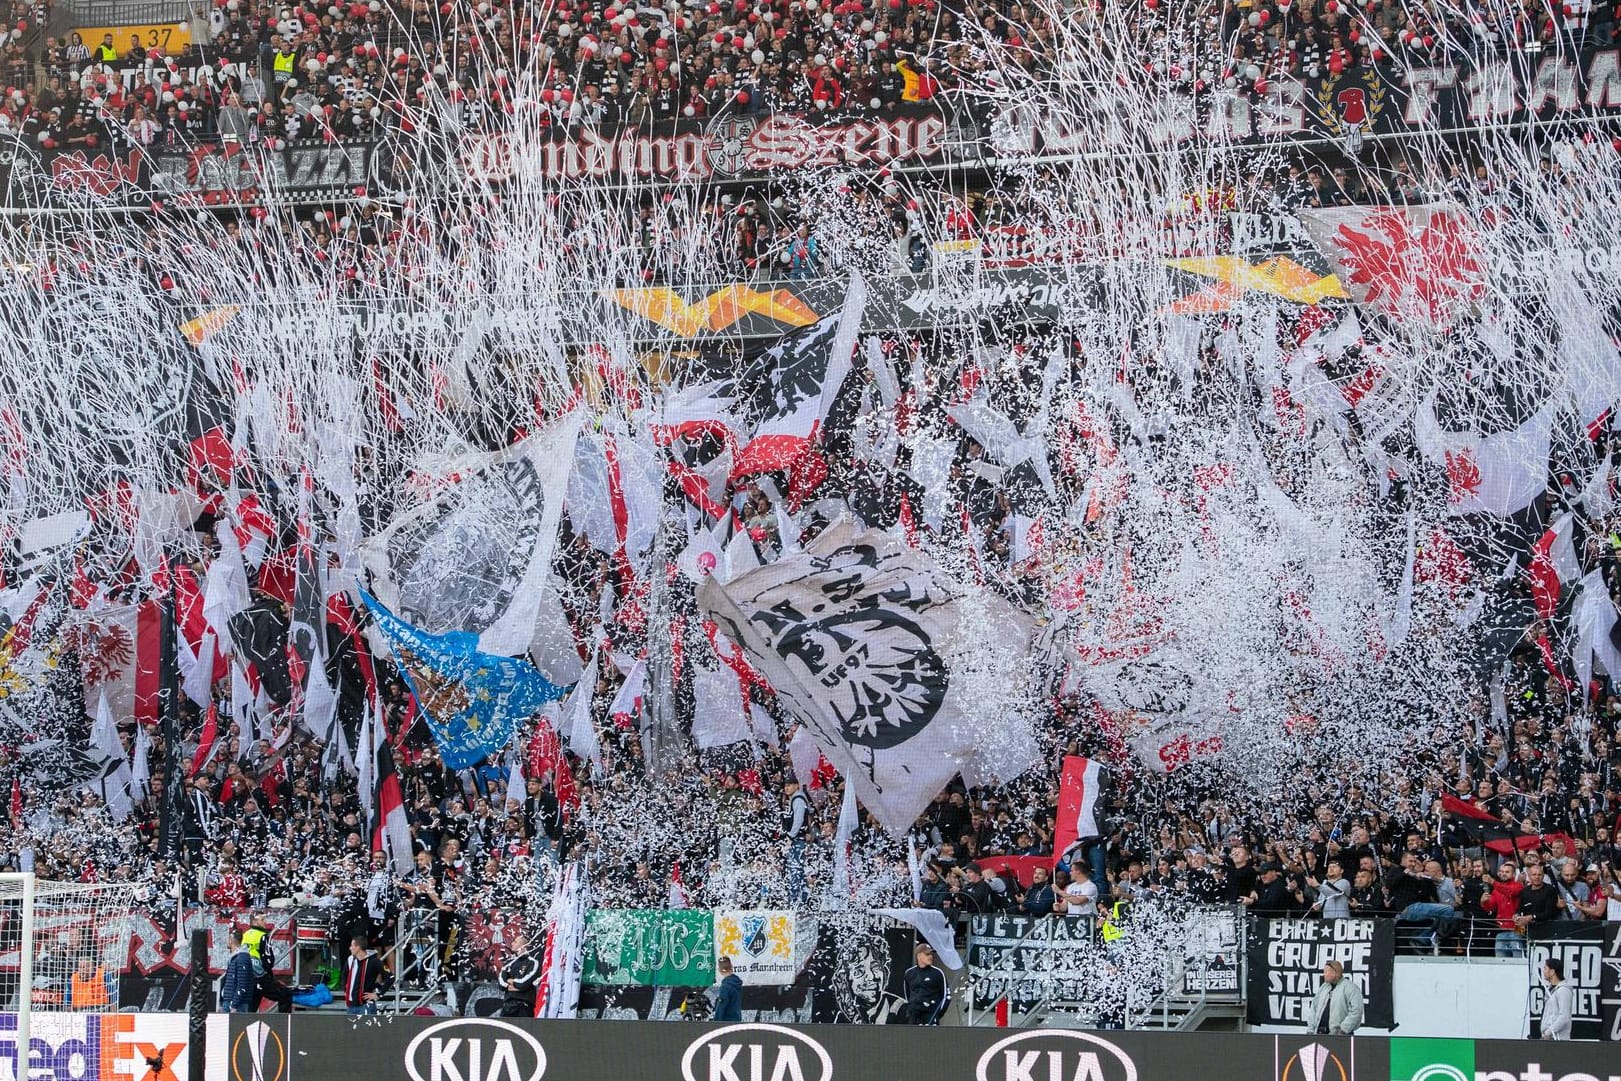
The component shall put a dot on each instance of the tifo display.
(782, 512)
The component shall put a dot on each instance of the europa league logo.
(258, 1054)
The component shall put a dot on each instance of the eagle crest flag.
(861, 638)
(475, 557)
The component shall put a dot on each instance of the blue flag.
(472, 701)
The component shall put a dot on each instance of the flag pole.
(660, 675)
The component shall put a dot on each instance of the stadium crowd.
(278, 72)
(272, 814)
(269, 815)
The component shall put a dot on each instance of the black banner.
(201, 174)
(1590, 954)
(1286, 959)
(1451, 98)
(331, 1048)
(1028, 959)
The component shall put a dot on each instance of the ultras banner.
(1028, 959)
(1591, 956)
(1286, 959)
(328, 1048)
(1392, 100)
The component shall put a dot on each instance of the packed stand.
(269, 73)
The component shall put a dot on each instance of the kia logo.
(756, 1053)
(469, 1050)
(1057, 1055)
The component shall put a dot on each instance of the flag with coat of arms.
(473, 702)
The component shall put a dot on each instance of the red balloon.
(742, 97)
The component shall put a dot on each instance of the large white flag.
(1594, 617)
(1501, 473)
(475, 557)
(864, 641)
(717, 715)
(559, 990)
(115, 772)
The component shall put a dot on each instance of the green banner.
(667, 948)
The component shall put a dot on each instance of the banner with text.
(1026, 959)
(1286, 959)
(760, 943)
(653, 947)
(1590, 954)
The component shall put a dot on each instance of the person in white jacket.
(1333, 893)
(1559, 1003)
(1336, 1009)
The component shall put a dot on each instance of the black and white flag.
(866, 643)
(475, 556)
(795, 382)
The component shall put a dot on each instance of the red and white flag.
(1417, 263)
(207, 743)
(1501, 473)
(1553, 563)
(1078, 792)
(118, 652)
(802, 374)
(391, 830)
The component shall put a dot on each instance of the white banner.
(760, 943)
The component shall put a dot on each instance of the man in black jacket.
(925, 988)
(1413, 898)
(520, 978)
(362, 976)
(544, 814)
(977, 891)
(1274, 897)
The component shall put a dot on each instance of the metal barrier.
(123, 12)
